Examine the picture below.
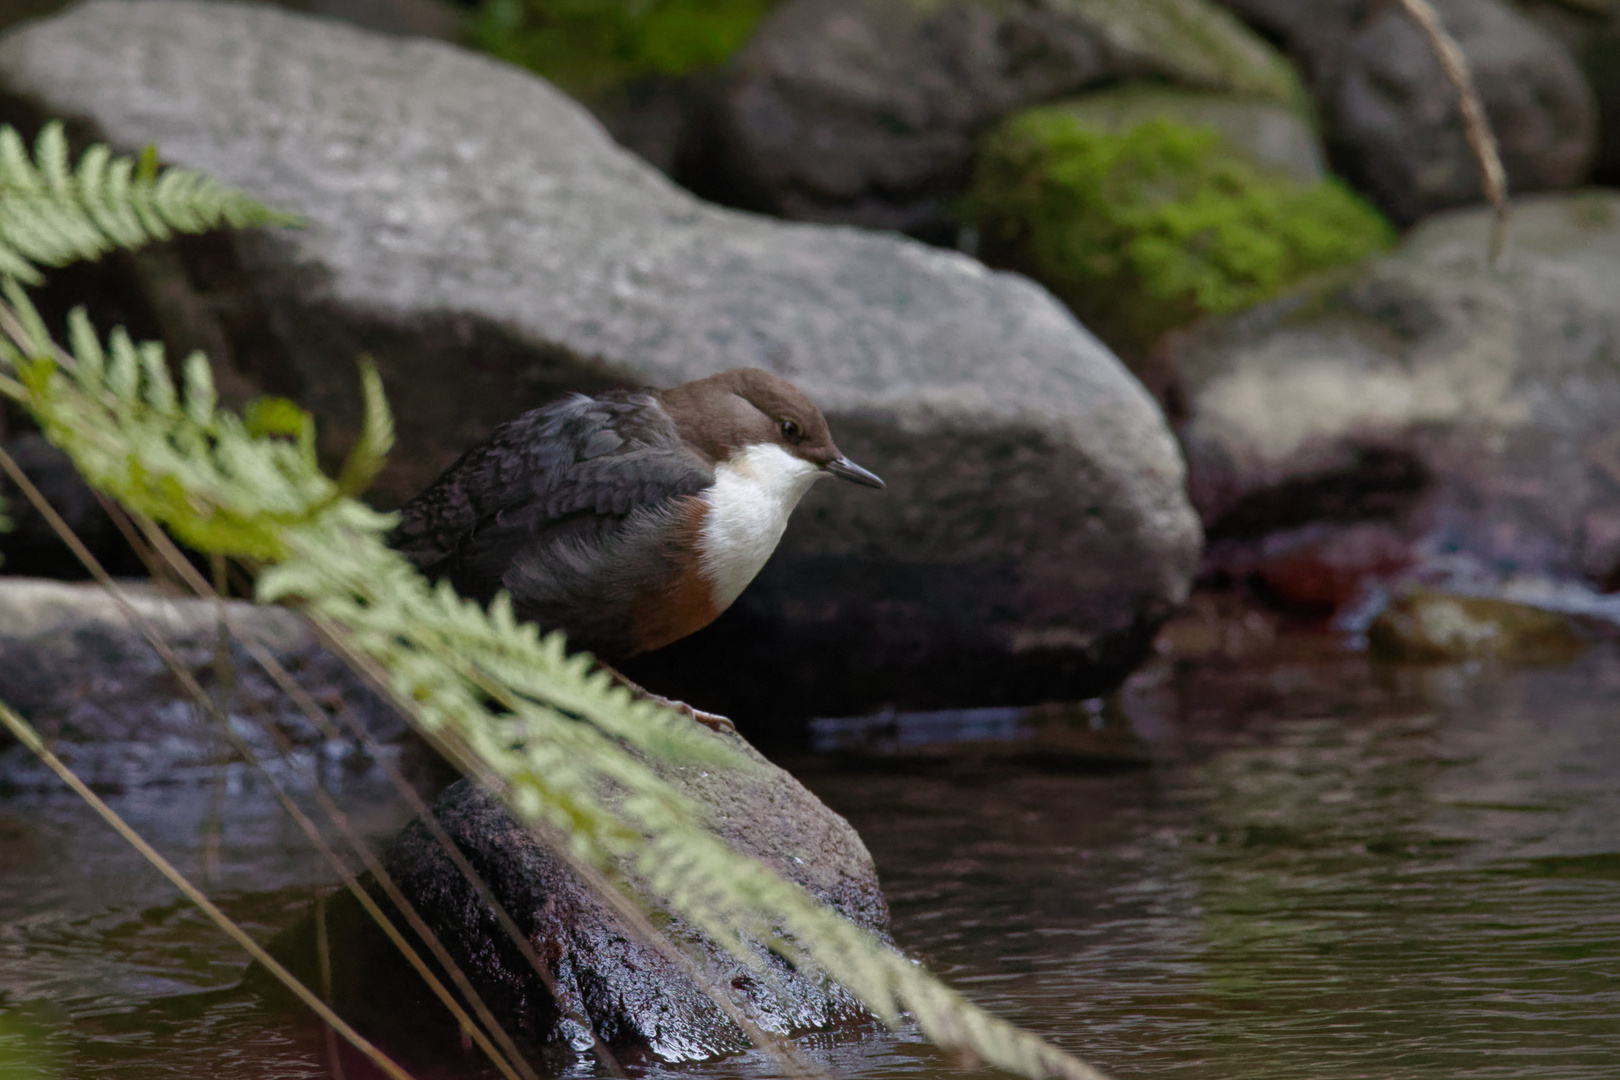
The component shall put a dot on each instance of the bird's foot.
(712, 721)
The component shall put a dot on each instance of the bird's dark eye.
(790, 431)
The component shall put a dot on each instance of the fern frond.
(52, 214)
(553, 745)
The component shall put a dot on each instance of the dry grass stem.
(1476, 124)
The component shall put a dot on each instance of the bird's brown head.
(725, 414)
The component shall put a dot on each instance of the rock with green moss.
(1277, 137)
(1145, 208)
(865, 111)
(637, 65)
(589, 47)
(1431, 627)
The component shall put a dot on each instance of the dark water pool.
(1331, 869)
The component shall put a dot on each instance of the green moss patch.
(586, 46)
(1145, 229)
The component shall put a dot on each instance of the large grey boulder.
(479, 235)
(1391, 118)
(865, 111)
(1464, 409)
(642, 1003)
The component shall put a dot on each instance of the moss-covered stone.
(1428, 627)
(1275, 136)
(1141, 220)
(588, 46)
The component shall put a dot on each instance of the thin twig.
(156, 569)
(323, 948)
(30, 738)
(1476, 124)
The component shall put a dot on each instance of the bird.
(631, 518)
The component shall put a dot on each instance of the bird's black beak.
(845, 469)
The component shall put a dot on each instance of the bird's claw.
(712, 721)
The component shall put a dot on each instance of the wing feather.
(569, 473)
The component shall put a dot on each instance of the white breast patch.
(749, 504)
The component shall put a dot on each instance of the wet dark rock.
(865, 111)
(31, 546)
(479, 235)
(1426, 627)
(1390, 116)
(1466, 409)
(641, 1003)
(74, 667)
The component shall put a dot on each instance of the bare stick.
(1476, 125)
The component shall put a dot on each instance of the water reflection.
(1339, 870)
(1332, 869)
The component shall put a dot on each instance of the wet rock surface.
(1451, 412)
(642, 1003)
(1391, 118)
(483, 239)
(865, 112)
(85, 678)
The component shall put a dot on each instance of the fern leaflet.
(52, 214)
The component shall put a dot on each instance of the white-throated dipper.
(630, 519)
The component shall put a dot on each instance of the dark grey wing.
(572, 470)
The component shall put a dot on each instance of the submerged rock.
(644, 1005)
(1466, 406)
(1427, 626)
(865, 111)
(480, 236)
(1390, 115)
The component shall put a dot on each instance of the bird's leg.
(710, 720)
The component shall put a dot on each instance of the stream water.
(1329, 868)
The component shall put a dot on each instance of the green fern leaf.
(52, 214)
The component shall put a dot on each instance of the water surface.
(1332, 868)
